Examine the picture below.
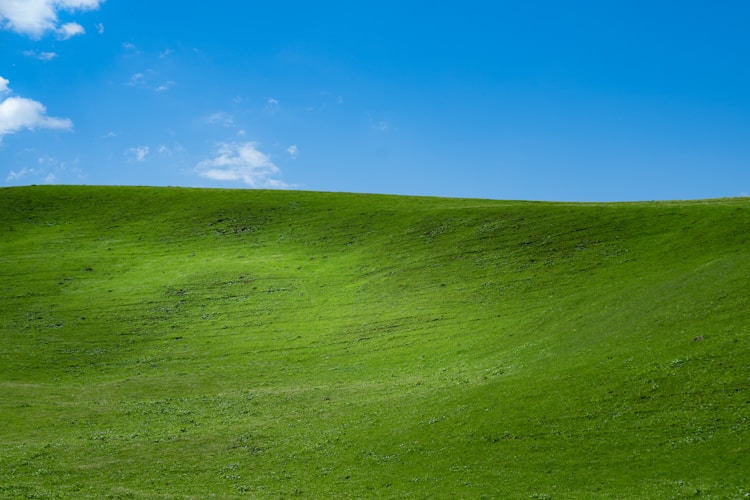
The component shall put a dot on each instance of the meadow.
(193, 343)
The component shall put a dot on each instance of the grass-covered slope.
(195, 343)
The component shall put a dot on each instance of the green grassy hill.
(175, 343)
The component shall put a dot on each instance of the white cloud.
(49, 169)
(165, 86)
(241, 162)
(42, 56)
(100, 28)
(174, 149)
(272, 105)
(24, 172)
(145, 80)
(19, 113)
(34, 18)
(146, 153)
(221, 118)
(80, 4)
(140, 153)
(293, 151)
(136, 79)
(69, 30)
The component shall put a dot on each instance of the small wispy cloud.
(165, 53)
(35, 18)
(100, 28)
(136, 79)
(165, 86)
(272, 105)
(221, 118)
(20, 113)
(382, 125)
(293, 151)
(42, 56)
(145, 80)
(130, 50)
(326, 100)
(48, 169)
(69, 30)
(140, 153)
(33, 173)
(169, 151)
(241, 162)
(24, 172)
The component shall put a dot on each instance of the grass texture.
(187, 343)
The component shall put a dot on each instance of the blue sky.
(538, 100)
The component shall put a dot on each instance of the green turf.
(173, 343)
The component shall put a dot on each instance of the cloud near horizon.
(34, 18)
(47, 169)
(241, 162)
(19, 113)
